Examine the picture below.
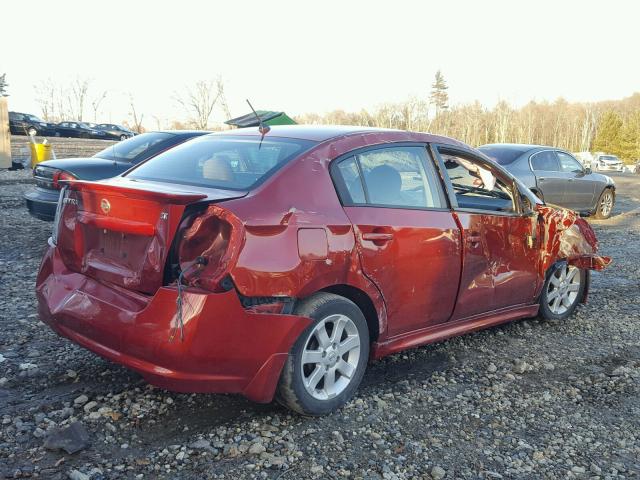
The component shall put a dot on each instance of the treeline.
(609, 126)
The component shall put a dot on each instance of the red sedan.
(278, 264)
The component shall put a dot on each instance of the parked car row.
(27, 124)
(277, 263)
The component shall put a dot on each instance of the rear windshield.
(128, 150)
(502, 155)
(234, 163)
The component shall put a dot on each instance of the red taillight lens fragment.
(61, 176)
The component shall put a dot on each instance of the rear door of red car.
(500, 256)
(407, 238)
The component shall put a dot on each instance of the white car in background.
(604, 162)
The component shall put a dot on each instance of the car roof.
(516, 146)
(321, 133)
(188, 133)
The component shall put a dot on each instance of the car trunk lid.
(121, 231)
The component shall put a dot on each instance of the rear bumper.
(42, 204)
(225, 348)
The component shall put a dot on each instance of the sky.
(301, 56)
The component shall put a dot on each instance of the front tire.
(605, 204)
(562, 291)
(326, 364)
(32, 132)
(123, 137)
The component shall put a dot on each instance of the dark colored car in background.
(27, 124)
(112, 161)
(556, 177)
(79, 130)
(279, 263)
(115, 132)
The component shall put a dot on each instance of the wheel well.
(363, 302)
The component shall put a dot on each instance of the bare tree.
(137, 121)
(76, 97)
(95, 104)
(46, 96)
(200, 100)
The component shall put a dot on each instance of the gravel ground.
(532, 399)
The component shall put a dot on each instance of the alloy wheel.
(606, 203)
(563, 288)
(330, 356)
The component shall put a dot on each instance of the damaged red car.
(277, 264)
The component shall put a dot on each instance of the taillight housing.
(215, 235)
(61, 176)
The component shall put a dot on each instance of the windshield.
(234, 163)
(609, 158)
(33, 118)
(128, 150)
(502, 155)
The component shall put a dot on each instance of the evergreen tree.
(439, 96)
(608, 137)
(3, 85)
(630, 138)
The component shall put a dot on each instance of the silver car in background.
(611, 163)
(556, 177)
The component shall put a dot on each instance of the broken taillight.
(215, 235)
(61, 176)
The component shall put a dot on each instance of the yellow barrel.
(39, 153)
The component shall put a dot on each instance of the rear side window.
(351, 187)
(389, 177)
(216, 161)
(545, 161)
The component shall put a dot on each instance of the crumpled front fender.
(567, 236)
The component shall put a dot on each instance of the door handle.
(377, 237)
(542, 179)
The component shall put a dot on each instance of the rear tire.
(562, 291)
(605, 204)
(32, 132)
(326, 364)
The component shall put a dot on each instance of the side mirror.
(587, 171)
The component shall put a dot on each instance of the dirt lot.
(532, 399)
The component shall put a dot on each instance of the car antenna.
(263, 129)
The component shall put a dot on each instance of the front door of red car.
(500, 259)
(408, 243)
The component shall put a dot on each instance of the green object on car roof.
(267, 117)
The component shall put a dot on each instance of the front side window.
(216, 161)
(476, 185)
(568, 163)
(545, 161)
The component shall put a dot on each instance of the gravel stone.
(437, 473)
